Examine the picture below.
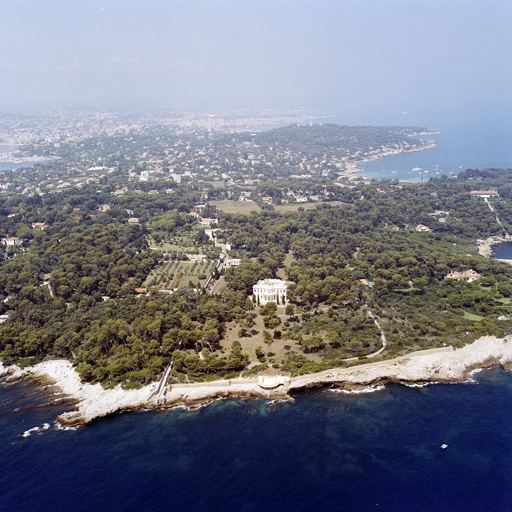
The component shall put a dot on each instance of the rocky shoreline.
(426, 366)
(485, 247)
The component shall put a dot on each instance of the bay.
(16, 165)
(19, 165)
(502, 251)
(473, 135)
(328, 450)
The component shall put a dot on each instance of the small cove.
(502, 251)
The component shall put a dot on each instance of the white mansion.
(269, 290)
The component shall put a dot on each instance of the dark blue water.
(327, 451)
(503, 251)
(474, 135)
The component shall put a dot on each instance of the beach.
(92, 401)
(353, 166)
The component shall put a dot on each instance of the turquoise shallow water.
(328, 450)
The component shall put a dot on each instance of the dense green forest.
(72, 289)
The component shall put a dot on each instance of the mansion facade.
(270, 290)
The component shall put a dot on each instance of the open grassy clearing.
(473, 317)
(254, 339)
(235, 206)
(307, 206)
(216, 183)
(289, 258)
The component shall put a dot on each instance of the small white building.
(270, 290)
(12, 240)
(207, 222)
(477, 194)
(196, 257)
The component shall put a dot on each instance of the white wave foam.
(471, 375)
(58, 426)
(33, 430)
(277, 401)
(367, 389)
(172, 408)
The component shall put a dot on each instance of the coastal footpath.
(427, 366)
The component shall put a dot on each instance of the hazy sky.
(252, 53)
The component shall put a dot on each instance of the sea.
(468, 135)
(502, 251)
(328, 450)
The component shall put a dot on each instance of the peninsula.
(163, 264)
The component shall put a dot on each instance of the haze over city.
(237, 54)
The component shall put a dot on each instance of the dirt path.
(494, 211)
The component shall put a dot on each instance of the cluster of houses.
(294, 197)
(469, 275)
(153, 174)
(11, 241)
